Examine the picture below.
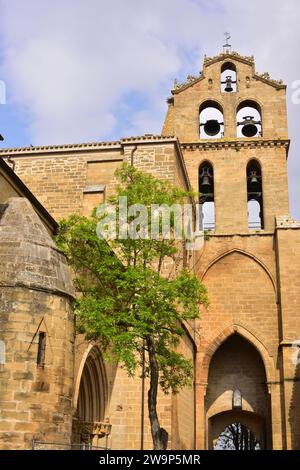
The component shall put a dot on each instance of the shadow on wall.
(294, 412)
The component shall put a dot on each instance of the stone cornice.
(286, 222)
(235, 144)
(144, 140)
(258, 233)
(148, 139)
(40, 149)
(265, 78)
(87, 146)
(190, 80)
(228, 55)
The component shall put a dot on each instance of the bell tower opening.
(228, 78)
(249, 122)
(211, 120)
(255, 196)
(207, 198)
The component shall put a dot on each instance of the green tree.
(128, 300)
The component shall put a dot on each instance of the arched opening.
(89, 422)
(228, 78)
(249, 119)
(237, 436)
(237, 366)
(254, 220)
(93, 390)
(255, 195)
(211, 120)
(207, 196)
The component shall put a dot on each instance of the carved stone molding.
(91, 432)
(238, 144)
(286, 221)
(233, 55)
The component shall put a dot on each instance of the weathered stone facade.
(246, 338)
(35, 297)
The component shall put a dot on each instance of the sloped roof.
(28, 253)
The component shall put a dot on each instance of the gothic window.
(237, 399)
(211, 120)
(255, 195)
(249, 122)
(207, 198)
(228, 78)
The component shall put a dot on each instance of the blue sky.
(85, 70)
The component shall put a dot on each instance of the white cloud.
(74, 65)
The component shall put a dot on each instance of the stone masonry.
(247, 338)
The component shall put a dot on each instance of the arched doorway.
(90, 425)
(93, 388)
(237, 393)
(237, 436)
(240, 430)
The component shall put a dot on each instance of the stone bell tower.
(258, 105)
(232, 126)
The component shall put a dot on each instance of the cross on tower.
(227, 46)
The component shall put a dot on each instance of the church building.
(225, 135)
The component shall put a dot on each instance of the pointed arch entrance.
(92, 396)
(90, 425)
(236, 365)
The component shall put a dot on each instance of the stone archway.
(92, 396)
(237, 364)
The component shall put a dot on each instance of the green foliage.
(127, 298)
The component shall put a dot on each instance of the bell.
(212, 127)
(253, 177)
(228, 87)
(205, 181)
(249, 126)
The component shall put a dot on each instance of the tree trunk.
(159, 435)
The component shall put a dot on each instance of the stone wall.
(288, 259)
(35, 297)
